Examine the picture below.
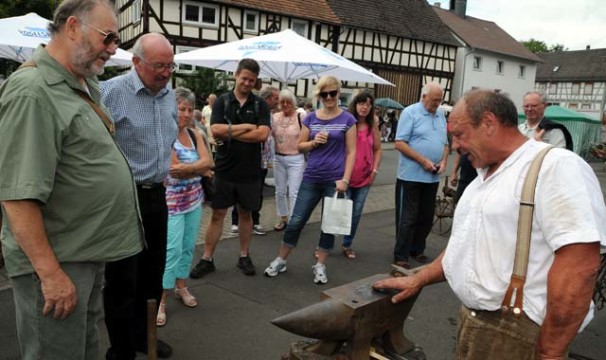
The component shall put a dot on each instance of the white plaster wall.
(508, 82)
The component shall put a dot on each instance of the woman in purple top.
(329, 135)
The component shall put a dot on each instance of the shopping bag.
(336, 215)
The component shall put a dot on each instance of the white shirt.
(206, 113)
(478, 261)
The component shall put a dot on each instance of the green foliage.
(538, 46)
(44, 8)
(203, 82)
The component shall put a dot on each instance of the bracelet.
(229, 131)
(345, 181)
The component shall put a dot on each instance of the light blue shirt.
(425, 133)
(146, 124)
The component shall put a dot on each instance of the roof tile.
(484, 35)
(582, 65)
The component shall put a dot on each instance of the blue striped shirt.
(146, 124)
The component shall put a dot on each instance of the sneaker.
(233, 230)
(320, 274)
(258, 230)
(245, 264)
(202, 268)
(275, 267)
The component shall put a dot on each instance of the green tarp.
(585, 130)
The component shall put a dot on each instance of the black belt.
(287, 154)
(149, 186)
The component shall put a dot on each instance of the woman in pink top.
(368, 159)
(289, 163)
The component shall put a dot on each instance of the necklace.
(284, 125)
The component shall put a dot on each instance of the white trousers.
(288, 173)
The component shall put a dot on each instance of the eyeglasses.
(333, 93)
(364, 104)
(531, 106)
(159, 68)
(110, 37)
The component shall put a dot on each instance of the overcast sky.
(572, 23)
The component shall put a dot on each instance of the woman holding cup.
(329, 135)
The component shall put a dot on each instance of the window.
(573, 106)
(184, 68)
(542, 86)
(499, 67)
(586, 106)
(477, 63)
(136, 11)
(522, 72)
(201, 14)
(588, 88)
(553, 88)
(300, 27)
(251, 21)
(576, 88)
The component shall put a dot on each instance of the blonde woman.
(329, 135)
(289, 162)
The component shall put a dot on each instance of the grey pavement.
(232, 320)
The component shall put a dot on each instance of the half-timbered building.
(487, 56)
(402, 41)
(575, 79)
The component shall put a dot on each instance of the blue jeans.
(358, 196)
(308, 197)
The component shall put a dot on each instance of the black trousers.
(415, 206)
(130, 282)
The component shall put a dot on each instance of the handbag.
(205, 181)
(207, 186)
(336, 215)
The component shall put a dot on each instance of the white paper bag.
(336, 215)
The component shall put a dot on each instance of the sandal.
(186, 297)
(280, 226)
(349, 252)
(423, 259)
(161, 317)
(403, 264)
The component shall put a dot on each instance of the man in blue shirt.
(423, 146)
(144, 109)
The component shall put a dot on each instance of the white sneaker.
(275, 267)
(234, 230)
(319, 274)
(258, 230)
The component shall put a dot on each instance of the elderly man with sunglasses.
(67, 191)
(144, 110)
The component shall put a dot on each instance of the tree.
(538, 46)
(203, 82)
(44, 8)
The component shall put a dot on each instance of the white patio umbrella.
(284, 56)
(21, 35)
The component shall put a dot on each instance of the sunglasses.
(110, 37)
(333, 93)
